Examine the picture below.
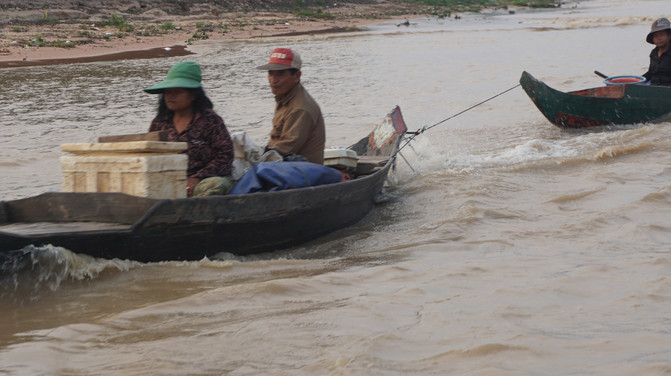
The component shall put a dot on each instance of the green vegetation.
(148, 30)
(120, 23)
(302, 9)
(536, 3)
(439, 8)
(62, 44)
(311, 9)
(167, 26)
(200, 35)
(204, 26)
(478, 5)
(38, 41)
(47, 21)
(115, 20)
(127, 28)
(223, 29)
(318, 13)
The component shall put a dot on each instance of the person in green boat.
(186, 114)
(659, 72)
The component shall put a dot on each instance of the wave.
(28, 274)
(460, 153)
(661, 196)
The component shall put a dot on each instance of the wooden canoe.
(605, 105)
(116, 225)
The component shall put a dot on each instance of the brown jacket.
(298, 126)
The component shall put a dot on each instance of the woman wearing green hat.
(186, 113)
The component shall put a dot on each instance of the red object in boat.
(622, 80)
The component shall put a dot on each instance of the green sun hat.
(184, 75)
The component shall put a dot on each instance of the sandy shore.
(91, 40)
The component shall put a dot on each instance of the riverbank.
(64, 36)
(39, 32)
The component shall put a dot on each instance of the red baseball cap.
(282, 58)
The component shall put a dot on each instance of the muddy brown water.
(511, 247)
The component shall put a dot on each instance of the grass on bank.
(314, 8)
(309, 13)
(303, 9)
(481, 4)
(39, 41)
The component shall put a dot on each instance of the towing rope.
(426, 128)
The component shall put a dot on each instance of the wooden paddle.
(600, 74)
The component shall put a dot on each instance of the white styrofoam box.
(340, 157)
(139, 168)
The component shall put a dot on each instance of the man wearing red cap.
(298, 125)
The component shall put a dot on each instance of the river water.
(509, 247)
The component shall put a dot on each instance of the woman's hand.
(191, 183)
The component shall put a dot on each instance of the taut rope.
(426, 128)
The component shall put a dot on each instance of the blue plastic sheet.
(278, 176)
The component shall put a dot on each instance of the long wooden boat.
(605, 105)
(117, 225)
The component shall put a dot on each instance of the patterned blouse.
(210, 148)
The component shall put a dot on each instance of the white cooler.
(341, 158)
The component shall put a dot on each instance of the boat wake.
(29, 273)
(540, 149)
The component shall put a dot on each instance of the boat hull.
(190, 229)
(607, 105)
(117, 225)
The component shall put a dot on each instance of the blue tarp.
(278, 176)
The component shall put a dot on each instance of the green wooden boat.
(605, 105)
